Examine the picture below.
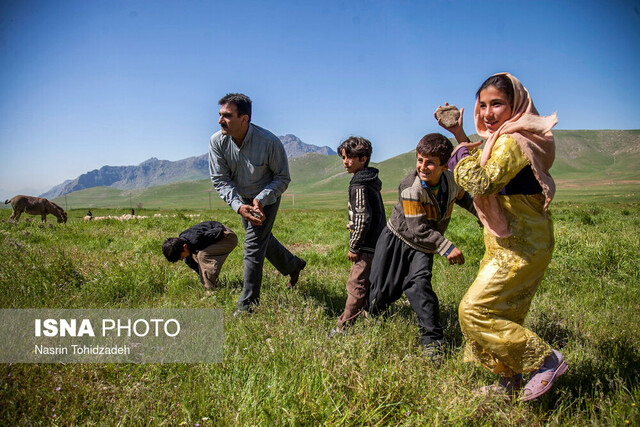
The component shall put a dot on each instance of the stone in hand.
(448, 115)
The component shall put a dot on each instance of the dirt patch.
(299, 247)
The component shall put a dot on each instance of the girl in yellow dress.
(512, 189)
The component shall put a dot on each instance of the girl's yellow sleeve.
(504, 164)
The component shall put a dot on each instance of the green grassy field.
(279, 368)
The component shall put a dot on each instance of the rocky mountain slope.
(153, 172)
(296, 148)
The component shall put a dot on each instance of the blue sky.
(85, 84)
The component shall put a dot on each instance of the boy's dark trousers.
(398, 268)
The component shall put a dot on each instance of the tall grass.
(280, 369)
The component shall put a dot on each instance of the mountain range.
(597, 165)
(154, 172)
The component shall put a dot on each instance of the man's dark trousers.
(258, 244)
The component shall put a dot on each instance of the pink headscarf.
(533, 134)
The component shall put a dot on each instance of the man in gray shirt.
(250, 171)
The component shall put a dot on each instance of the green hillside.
(600, 165)
(392, 171)
(597, 155)
(181, 195)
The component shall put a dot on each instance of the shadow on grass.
(614, 369)
(400, 310)
(604, 358)
(448, 320)
(230, 282)
(451, 326)
(599, 366)
(331, 299)
(614, 364)
(550, 326)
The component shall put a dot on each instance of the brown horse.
(35, 206)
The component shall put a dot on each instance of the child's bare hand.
(454, 127)
(455, 257)
(470, 145)
(352, 257)
(457, 130)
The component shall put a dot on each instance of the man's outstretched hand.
(254, 214)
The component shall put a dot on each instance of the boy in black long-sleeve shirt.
(203, 247)
(366, 221)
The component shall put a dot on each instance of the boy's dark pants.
(398, 268)
(357, 289)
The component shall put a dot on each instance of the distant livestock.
(127, 217)
(124, 217)
(35, 206)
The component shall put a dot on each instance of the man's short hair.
(356, 146)
(241, 101)
(436, 145)
(172, 248)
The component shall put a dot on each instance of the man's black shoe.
(295, 274)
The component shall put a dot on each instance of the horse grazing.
(35, 206)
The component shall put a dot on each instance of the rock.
(448, 115)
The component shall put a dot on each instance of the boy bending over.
(203, 247)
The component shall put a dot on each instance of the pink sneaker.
(541, 382)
